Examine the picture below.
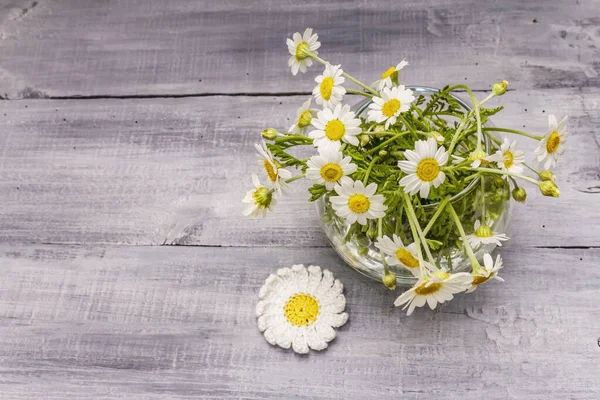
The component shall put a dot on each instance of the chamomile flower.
(398, 254)
(355, 202)
(477, 157)
(329, 90)
(299, 307)
(329, 167)
(334, 127)
(299, 47)
(509, 158)
(552, 145)
(304, 116)
(484, 235)
(259, 200)
(434, 288)
(389, 106)
(487, 272)
(390, 76)
(423, 167)
(276, 175)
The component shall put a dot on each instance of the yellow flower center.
(302, 51)
(326, 87)
(484, 231)
(479, 279)
(262, 197)
(423, 290)
(509, 159)
(390, 107)
(358, 203)
(305, 119)
(406, 258)
(553, 142)
(301, 309)
(388, 72)
(428, 169)
(335, 130)
(271, 173)
(331, 172)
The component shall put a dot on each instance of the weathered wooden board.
(127, 48)
(156, 322)
(174, 171)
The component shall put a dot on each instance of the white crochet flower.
(299, 307)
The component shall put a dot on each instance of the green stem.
(529, 135)
(384, 133)
(289, 138)
(344, 74)
(409, 126)
(351, 91)
(295, 178)
(374, 149)
(492, 137)
(410, 213)
(373, 161)
(437, 213)
(531, 169)
(386, 270)
(463, 235)
(482, 180)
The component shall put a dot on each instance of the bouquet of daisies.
(378, 172)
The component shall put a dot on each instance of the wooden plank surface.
(124, 48)
(174, 171)
(96, 322)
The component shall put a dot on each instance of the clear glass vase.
(360, 253)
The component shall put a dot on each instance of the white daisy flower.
(552, 145)
(329, 90)
(389, 76)
(335, 126)
(304, 116)
(329, 167)
(509, 158)
(398, 254)
(434, 288)
(389, 106)
(489, 271)
(357, 202)
(259, 200)
(299, 47)
(424, 167)
(299, 307)
(484, 235)
(276, 175)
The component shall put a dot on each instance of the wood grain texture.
(124, 48)
(174, 171)
(172, 322)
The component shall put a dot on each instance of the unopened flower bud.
(519, 194)
(484, 231)
(499, 88)
(364, 139)
(363, 250)
(383, 153)
(389, 280)
(549, 188)
(498, 182)
(269, 134)
(378, 129)
(547, 175)
(437, 136)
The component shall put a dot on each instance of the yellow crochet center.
(301, 309)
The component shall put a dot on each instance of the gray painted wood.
(92, 308)
(71, 47)
(174, 171)
(128, 322)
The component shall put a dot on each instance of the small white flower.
(398, 254)
(424, 167)
(335, 126)
(477, 157)
(433, 289)
(299, 47)
(509, 158)
(259, 200)
(389, 106)
(357, 202)
(304, 116)
(484, 235)
(552, 145)
(389, 76)
(486, 273)
(299, 307)
(276, 175)
(329, 167)
(329, 90)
